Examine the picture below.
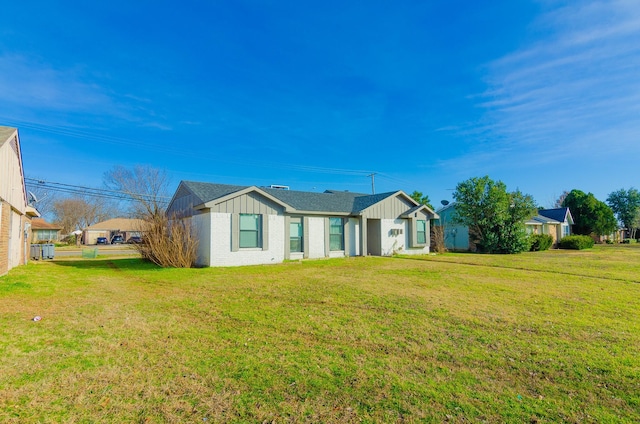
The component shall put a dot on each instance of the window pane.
(248, 222)
(295, 244)
(249, 230)
(336, 229)
(335, 225)
(421, 231)
(295, 235)
(248, 239)
(335, 242)
(295, 229)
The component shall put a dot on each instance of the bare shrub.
(437, 239)
(169, 243)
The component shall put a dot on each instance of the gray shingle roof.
(558, 214)
(209, 191)
(329, 201)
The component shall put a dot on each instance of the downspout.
(27, 227)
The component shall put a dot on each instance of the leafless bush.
(169, 243)
(437, 239)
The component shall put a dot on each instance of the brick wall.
(220, 250)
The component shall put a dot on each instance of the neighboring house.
(456, 236)
(42, 231)
(554, 222)
(124, 227)
(15, 213)
(243, 225)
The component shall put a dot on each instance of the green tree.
(590, 215)
(494, 216)
(420, 198)
(626, 205)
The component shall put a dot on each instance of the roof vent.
(279, 187)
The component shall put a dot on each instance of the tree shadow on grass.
(119, 264)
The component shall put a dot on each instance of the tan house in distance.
(554, 222)
(44, 232)
(124, 227)
(15, 213)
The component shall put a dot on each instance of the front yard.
(538, 337)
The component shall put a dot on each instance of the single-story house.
(43, 231)
(554, 222)
(124, 227)
(243, 225)
(15, 213)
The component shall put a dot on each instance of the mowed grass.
(539, 338)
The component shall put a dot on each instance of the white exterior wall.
(11, 183)
(202, 226)
(220, 246)
(394, 244)
(316, 237)
(354, 237)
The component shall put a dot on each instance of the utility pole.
(373, 183)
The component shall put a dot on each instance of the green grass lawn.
(540, 337)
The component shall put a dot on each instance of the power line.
(94, 192)
(84, 135)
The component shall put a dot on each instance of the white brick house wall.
(354, 237)
(393, 243)
(220, 252)
(202, 227)
(316, 237)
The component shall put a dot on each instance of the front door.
(374, 237)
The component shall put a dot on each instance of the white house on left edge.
(245, 225)
(15, 213)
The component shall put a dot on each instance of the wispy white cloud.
(30, 87)
(575, 91)
(25, 82)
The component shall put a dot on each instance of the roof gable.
(243, 191)
(12, 177)
(558, 214)
(41, 224)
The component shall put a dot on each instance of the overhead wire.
(93, 192)
(76, 133)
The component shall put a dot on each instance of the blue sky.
(543, 95)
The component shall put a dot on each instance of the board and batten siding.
(249, 203)
(183, 203)
(389, 208)
(11, 181)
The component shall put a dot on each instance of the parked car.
(117, 240)
(101, 240)
(134, 240)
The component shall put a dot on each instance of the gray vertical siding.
(389, 208)
(249, 203)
